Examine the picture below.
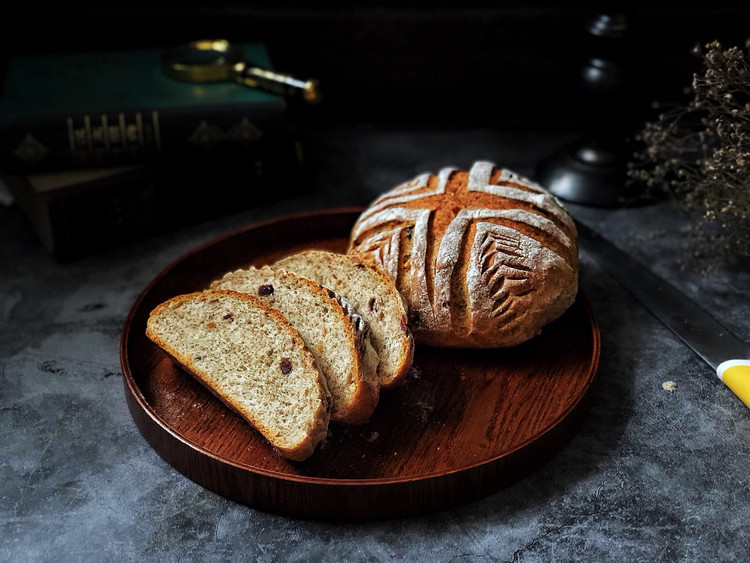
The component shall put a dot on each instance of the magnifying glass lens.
(201, 61)
(195, 57)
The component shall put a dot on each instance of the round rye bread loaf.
(484, 258)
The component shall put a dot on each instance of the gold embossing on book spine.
(115, 137)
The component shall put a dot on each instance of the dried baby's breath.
(699, 152)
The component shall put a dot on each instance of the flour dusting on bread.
(484, 258)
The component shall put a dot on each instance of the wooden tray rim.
(137, 394)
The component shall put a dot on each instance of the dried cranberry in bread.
(333, 331)
(484, 258)
(375, 297)
(252, 359)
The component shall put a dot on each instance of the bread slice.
(250, 357)
(373, 294)
(335, 334)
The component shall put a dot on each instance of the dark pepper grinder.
(592, 169)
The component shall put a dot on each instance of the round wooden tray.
(465, 424)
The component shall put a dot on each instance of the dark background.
(490, 64)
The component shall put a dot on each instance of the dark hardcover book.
(117, 108)
(78, 212)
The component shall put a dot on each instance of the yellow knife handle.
(736, 375)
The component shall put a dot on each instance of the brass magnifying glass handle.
(217, 60)
(277, 83)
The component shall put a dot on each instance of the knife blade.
(713, 342)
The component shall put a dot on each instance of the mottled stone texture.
(651, 476)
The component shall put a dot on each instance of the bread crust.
(298, 451)
(484, 258)
(336, 271)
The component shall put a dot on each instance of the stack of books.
(100, 148)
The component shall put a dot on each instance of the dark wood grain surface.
(465, 424)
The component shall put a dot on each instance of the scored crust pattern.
(483, 258)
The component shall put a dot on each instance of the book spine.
(79, 220)
(117, 138)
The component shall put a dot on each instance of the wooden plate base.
(465, 424)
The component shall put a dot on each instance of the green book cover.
(112, 108)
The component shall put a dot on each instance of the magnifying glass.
(217, 60)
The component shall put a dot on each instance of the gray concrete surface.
(651, 476)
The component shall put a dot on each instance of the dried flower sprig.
(700, 151)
